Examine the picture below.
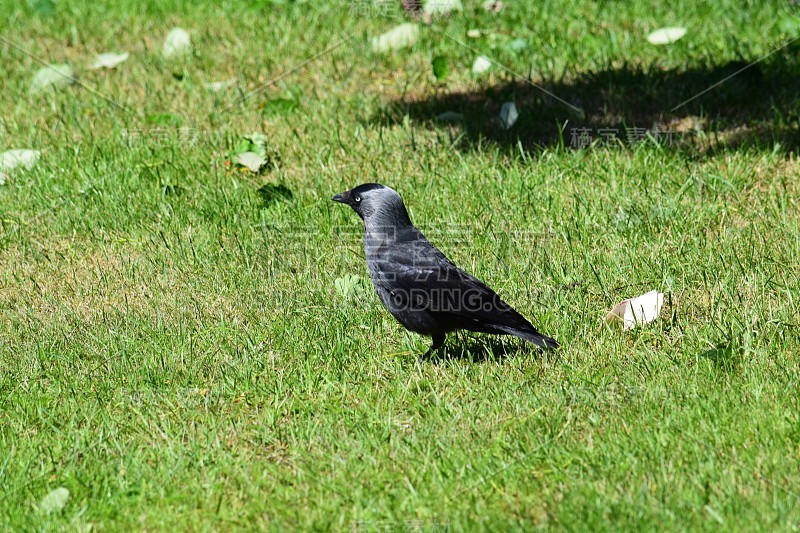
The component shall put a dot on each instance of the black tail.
(534, 336)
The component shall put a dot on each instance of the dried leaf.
(216, 86)
(517, 45)
(441, 7)
(401, 36)
(251, 160)
(178, 42)
(52, 76)
(11, 159)
(508, 115)
(637, 311)
(666, 35)
(108, 60)
(481, 64)
(54, 501)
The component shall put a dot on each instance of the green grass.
(173, 349)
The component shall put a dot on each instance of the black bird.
(423, 289)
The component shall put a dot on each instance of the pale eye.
(357, 199)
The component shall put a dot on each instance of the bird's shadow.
(480, 348)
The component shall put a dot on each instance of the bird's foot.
(438, 342)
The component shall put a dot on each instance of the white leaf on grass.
(52, 76)
(474, 33)
(251, 160)
(481, 64)
(55, 500)
(508, 115)
(441, 7)
(217, 86)
(666, 35)
(178, 42)
(11, 159)
(109, 60)
(637, 311)
(517, 45)
(450, 116)
(401, 36)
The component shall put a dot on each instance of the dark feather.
(421, 287)
(421, 277)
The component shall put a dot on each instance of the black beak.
(343, 197)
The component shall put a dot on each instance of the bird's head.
(375, 203)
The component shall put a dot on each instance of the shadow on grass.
(271, 193)
(758, 105)
(724, 357)
(478, 348)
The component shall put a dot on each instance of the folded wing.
(419, 276)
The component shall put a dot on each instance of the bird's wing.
(418, 275)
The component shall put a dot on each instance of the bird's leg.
(438, 340)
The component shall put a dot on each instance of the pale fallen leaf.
(217, 86)
(108, 60)
(178, 42)
(450, 116)
(517, 45)
(474, 33)
(401, 36)
(666, 35)
(637, 311)
(55, 500)
(441, 7)
(11, 159)
(494, 6)
(251, 160)
(508, 115)
(481, 64)
(52, 76)
(346, 284)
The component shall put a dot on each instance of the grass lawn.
(175, 352)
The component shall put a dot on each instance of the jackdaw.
(421, 287)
